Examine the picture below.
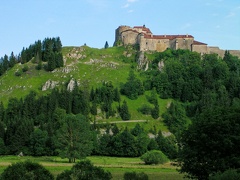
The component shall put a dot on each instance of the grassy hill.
(83, 64)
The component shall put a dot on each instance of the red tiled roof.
(198, 43)
(170, 37)
(143, 28)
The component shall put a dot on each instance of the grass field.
(116, 165)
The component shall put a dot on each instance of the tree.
(124, 144)
(135, 176)
(12, 60)
(85, 170)
(155, 110)
(106, 45)
(133, 87)
(38, 140)
(74, 138)
(154, 157)
(26, 170)
(211, 143)
(124, 113)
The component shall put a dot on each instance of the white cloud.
(130, 11)
(126, 5)
(218, 26)
(131, 1)
(231, 14)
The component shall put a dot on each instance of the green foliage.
(25, 68)
(3, 148)
(145, 109)
(26, 170)
(18, 73)
(154, 157)
(231, 174)
(124, 112)
(175, 118)
(85, 170)
(133, 87)
(168, 145)
(74, 138)
(38, 140)
(106, 45)
(135, 176)
(211, 143)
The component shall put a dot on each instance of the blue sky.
(215, 22)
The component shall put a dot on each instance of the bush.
(18, 73)
(145, 109)
(86, 171)
(231, 174)
(25, 68)
(154, 157)
(135, 176)
(26, 170)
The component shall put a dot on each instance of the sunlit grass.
(116, 165)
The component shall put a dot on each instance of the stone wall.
(184, 43)
(147, 41)
(129, 37)
(202, 49)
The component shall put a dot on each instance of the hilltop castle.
(143, 36)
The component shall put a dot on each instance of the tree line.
(35, 124)
(45, 54)
(205, 114)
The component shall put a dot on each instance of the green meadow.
(116, 165)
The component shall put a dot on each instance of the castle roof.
(198, 43)
(147, 30)
(170, 37)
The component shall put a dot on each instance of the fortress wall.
(147, 44)
(129, 37)
(162, 45)
(235, 52)
(203, 49)
(184, 43)
(221, 52)
(118, 32)
(216, 50)
(172, 44)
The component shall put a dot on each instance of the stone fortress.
(143, 36)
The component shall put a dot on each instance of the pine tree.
(106, 45)
(12, 60)
(124, 112)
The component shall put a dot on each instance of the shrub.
(26, 170)
(154, 157)
(135, 176)
(25, 68)
(231, 174)
(18, 73)
(145, 109)
(85, 170)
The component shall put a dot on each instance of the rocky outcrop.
(71, 85)
(49, 85)
(142, 61)
(160, 65)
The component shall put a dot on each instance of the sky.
(76, 22)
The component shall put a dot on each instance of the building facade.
(147, 41)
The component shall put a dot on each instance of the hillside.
(85, 65)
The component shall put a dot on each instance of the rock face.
(142, 61)
(71, 85)
(49, 85)
(160, 65)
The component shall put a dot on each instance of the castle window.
(146, 43)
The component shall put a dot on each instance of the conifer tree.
(106, 45)
(124, 112)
